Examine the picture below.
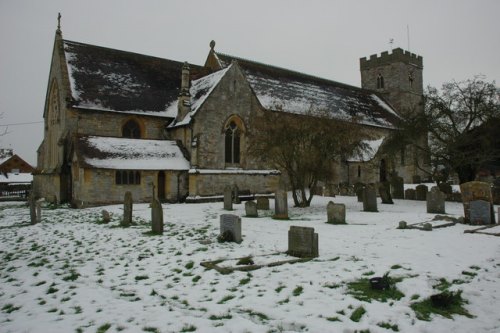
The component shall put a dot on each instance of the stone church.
(118, 121)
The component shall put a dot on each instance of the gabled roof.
(285, 90)
(113, 80)
(130, 154)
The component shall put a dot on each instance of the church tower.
(397, 76)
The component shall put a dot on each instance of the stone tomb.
(410, 194)
(335, 213)
(473, 191)
(262, 203)
(281, 205)
(228, 198)
(302, 242)
(421, 192)
(369, 199)
(232, 224)
(251, 209)
(436, 201)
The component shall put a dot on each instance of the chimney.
(184, 101)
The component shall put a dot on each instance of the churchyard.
(75, 272)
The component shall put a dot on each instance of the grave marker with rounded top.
(369, 199)
(410, 194)
(421, 192)
(473, 191)
(262, 203)
(251, 209)
(397, 187)
(436, 201)
(335, 213)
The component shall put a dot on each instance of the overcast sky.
(457, 39)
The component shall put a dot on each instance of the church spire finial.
(58, 23)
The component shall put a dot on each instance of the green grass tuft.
(297, 291)
(425, 308)
(357, 314)
(361, 290)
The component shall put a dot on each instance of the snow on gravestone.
(231, 223)
(436, 201)
(302, 242)
(475, 190)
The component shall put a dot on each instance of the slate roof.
(113, 80)
(285, 90)
(130, 154)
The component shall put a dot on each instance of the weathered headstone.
(359, 194)
(32, 204)
(236, 194)
(302, 242)
(427, 227)
(281, 204)
(262, 203)
(105, 216)
(127, 209)
(369, 199)
(410, 194)
(384, 190)
(39, 210)
(402, 225)
(335, 213)
(421, 192)
(397, 187)
(228, 198)
(436, 201)
(480, 212)
(416, 179)
(473, 191)
(251, 209)
(156, 217)
(231, 223)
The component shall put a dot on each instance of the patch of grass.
(453, 305)
(141, 277)
(221, 317)
(9, 308)
(263, 317)
(150, 329)
(189, 265)
(52, 289)
(471, 274)
(370, 273)
(474, 267)
(245, 261)
(357, 314)
(196, 278)
(415, 297)
(297, 291)
(188, 328)
(388, 326)
(331, 285)
(333, 318)
(362, 290)
(73, 275)
(396, 266)
(442, 285)
(245, 281)
(280, 288)
(225, 299)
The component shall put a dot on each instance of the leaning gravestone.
(228, 198)
(262, 203)
(335, 213)
(397, 187)
(281, 205)
(156, 217)
(384, 190)
(479, 212)
(302, 242)
(436, 201)
(421, 192)
(473, 191)
(236, 194)
(127, 209)
(369, 199)
(251, 209)
(232, 224)
(410, 194)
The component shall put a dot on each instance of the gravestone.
(397, 187)
(105, 216)
(251, 209)
(402, 225)
(156, 217)
(228, 198)
(473, 191)
(39, 210)
(302, 242)
(359, 194)
(421, 192)
(495, 191)
(427, 227)
(416, 179)
(445, 188)
(127, 209)
(32, 204)
(384, 190)
(436, 201)
(236, 194)
(369, 199)
(280, 205)
(410, 194)
(335, 213)
(480, 212)
(232, 224)
(262, 203)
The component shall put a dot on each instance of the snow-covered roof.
(293, 92)
(18, 178)
(130, 154)
(112, 80)
(366, 155)
(200, 89)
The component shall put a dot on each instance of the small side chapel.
(118, 121)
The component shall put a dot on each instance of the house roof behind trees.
(285, 90)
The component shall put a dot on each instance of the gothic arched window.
(380, 82)
(131, 130)
(232, 143)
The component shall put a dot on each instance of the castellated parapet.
(385, 58)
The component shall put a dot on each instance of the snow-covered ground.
(72, 274)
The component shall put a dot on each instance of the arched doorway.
(161, 186)
(383, 171)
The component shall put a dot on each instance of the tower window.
(380, 82)
(232, 143)
(131, 130)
